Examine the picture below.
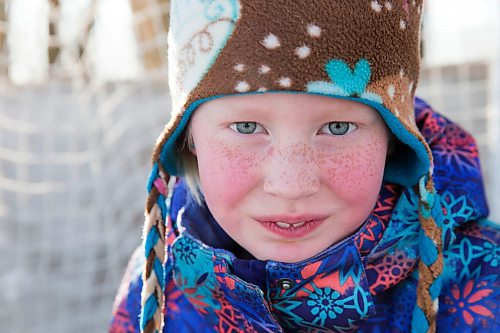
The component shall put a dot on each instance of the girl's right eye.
(247, 127)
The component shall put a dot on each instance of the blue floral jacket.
(367, 282)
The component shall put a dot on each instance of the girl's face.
(288, 175)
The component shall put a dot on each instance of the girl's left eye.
(338, 128)
(247, 127)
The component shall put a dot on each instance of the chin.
(289, 256)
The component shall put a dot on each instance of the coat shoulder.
(127, 305)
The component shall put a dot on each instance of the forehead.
(285, 103)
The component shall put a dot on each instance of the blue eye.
(338, 128)
(247, 127)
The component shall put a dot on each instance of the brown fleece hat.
(362, 50)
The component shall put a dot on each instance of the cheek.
(227, 172)
(356, 175)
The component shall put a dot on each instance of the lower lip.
(292, 232)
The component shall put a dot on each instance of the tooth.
(283, 225)
(296, 225)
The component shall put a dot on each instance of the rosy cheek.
(226, 171)
(357, 174)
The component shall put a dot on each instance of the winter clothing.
(368, 281)
(389, 273)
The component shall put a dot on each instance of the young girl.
(300, 187)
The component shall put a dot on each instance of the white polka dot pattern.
(242, 86)
(271, 42)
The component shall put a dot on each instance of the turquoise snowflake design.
(185, 251)
(462, 254)
(325, 304)
(194, 274)
(492, 254)
(458, 210)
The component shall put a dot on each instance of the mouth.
(294, 226)
(290, 225)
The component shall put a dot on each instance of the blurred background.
(83, 96)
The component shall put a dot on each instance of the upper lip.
(291, 219)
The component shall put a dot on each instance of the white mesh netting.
(83, 97)
(75, 144)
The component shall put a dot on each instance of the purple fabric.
(251, 270)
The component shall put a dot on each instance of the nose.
(291, 173)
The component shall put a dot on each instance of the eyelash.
(325, 129)
(234, 127)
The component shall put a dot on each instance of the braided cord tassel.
(431, 261)
(152, 295)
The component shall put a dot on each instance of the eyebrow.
(336, 111)
(247, 110)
